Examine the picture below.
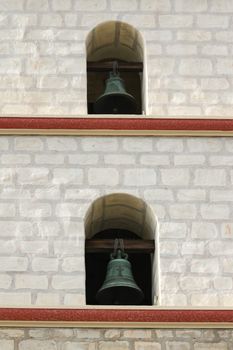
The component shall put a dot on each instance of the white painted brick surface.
(154, 160)
(169, 248)
(173, 265)
(201, 299)
(119, 159)
(207, 177)
(159, 6)
(191, 195)
(31, 282)
(45, 264)
(15, 159)
(46, 42)
(204, 145)
(37, 344)
(173, 230)
(192, 248)
(221, 248)
(121, 5)
(61, 144)
(67, 176)
(74, 299)
(42, 230)
(205, 266)
(194, 283)
(170, 145)
(215, 212)
(47, 299)
(103, 176)
(137, 145)
(15, 299)
(221, 6)
(182, 211)
(7, 210)
(212, 21)
(174, 299)
(178, 345)
(223, 283)
(204, 230)
(7, 344)
(52, 193)
(73, 264)
(116, 339)
(34, 247)
(187, 182)
(67, 282)
(116, 345)
(175, 21)
(175, 177)
(187, 6)
(217, 346)
(158, 195)
(28, 144)
(145, 345)
(5, 281)
(140, 177)
(35, 210)
(32, 175)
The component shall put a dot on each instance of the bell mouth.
(120, 296)
(115, 103)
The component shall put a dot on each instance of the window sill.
(117, 126)
(127, 317)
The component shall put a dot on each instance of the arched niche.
(120, 215)
(110, 41)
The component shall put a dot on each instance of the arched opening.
(121, 215)
(115, 41)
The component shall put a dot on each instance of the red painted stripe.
(85, 315)
(116, 124)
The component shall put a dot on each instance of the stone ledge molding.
(116, 318)
(116, 126)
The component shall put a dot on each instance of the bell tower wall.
(186, 50)
(49, 180)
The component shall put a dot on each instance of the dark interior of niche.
(96, 265)
(96, 87)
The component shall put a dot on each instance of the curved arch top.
(114, 39)
(122, 211)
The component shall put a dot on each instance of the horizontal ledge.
(117, 317)
(108, 66)
(130, 246)
(116, 126)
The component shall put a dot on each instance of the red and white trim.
(116, 126)
(120, 318)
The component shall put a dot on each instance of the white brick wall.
(115, 339)
(48, 183)
(45, 197)
(188, 45)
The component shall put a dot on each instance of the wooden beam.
(130, 245)
(108, 65)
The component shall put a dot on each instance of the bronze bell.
(115, 99)
(119, 287)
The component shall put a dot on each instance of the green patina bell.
(115, 99)
(119, 287)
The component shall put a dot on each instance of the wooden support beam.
(108, 65)
(130, 245)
